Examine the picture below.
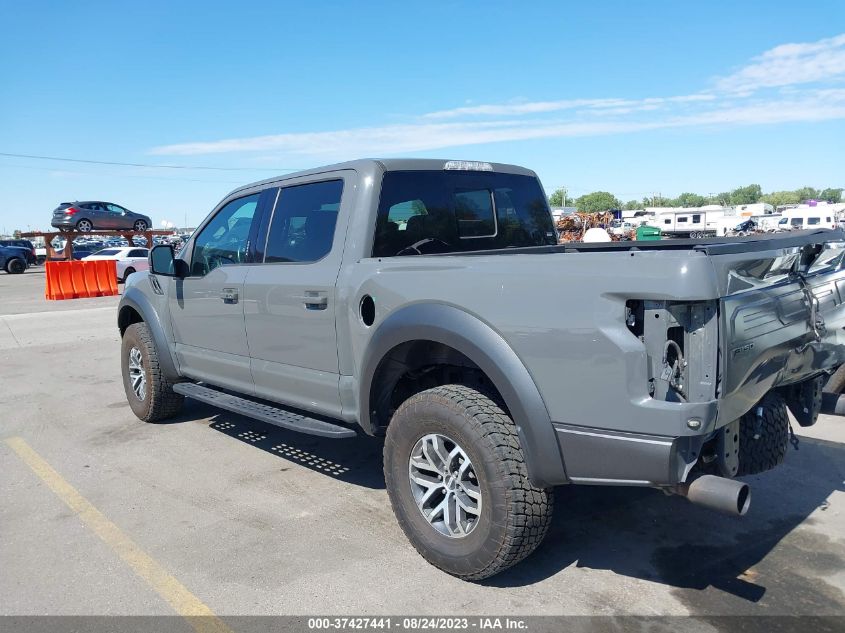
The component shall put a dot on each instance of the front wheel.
(458, 484)
(150, 394)
(15, 266)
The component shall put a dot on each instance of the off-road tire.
(126, 274)
(769, 450)
(15, 266)
(161, 402)
(836, 383)
(515, 515)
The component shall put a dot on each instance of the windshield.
(427, 212)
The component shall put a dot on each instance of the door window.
(797, 222)
(225, 238)
(138, 252)
(113, 208)
(303, 222)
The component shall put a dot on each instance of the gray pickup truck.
(429, 302)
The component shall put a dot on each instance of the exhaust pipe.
(717, 493)
(833, 404)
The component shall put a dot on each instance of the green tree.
(746, 195)
(597, 201)
(781, 198)
(658, 201)
(831, 195)
(560, 196)
(632, 205)
(807, 193)
(724, 198)
(690, 200)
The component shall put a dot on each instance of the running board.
(266, 413)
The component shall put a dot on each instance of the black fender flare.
(486, 348)
(135, 299)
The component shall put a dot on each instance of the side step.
(266, 413)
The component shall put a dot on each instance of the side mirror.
(163, 261)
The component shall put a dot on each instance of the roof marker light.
(467, 165)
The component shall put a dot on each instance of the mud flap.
(805, 400)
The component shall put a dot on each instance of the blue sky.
(631, 97)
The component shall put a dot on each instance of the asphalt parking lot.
(251, 519)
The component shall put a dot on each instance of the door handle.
(229, 295)
(314, 300)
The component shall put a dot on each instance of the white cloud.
(401, 139)
(757, 94)
(544, 107)
(790, 64)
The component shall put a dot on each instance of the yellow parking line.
(183, 601)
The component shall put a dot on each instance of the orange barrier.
(80, 279)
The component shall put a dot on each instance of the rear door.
(290, 296)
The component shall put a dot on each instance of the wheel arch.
(136, 308)
(469, 337)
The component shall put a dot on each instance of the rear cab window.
(431, 212)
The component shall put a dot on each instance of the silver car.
(90, 215)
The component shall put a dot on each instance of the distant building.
(559, 212)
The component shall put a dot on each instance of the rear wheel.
(149, 393)
(127, 272)
(15, 266)
(763, 438)
(84, 226)
(458, 484)
(140, 226)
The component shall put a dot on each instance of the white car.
(129, 259)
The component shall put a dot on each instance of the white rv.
(819, 217)
(696, 222)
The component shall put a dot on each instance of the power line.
(108, 162)
(81, 173)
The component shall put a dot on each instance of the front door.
(290, 296)
(206, 308)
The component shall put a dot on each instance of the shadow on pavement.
(351, 460)
(716, 563)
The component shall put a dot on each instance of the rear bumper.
(602, 457)
(62, 224)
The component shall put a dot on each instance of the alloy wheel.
(445, 485)
(137, 375)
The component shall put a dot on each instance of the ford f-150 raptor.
(429, 301)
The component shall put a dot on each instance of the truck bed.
(713, 245)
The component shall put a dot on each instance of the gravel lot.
(252, 519)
